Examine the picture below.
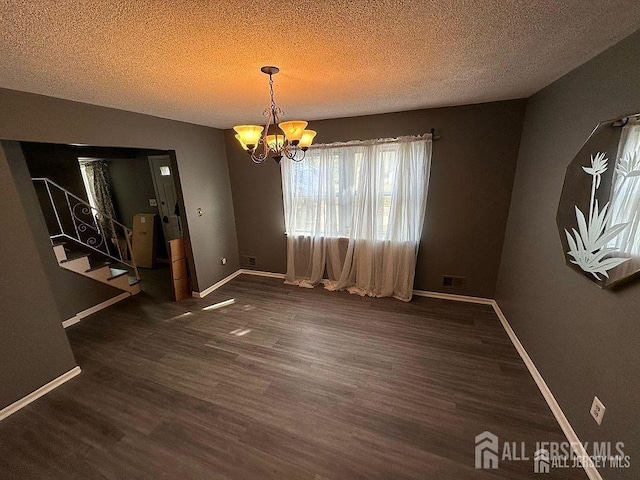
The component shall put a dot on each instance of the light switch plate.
(153, 202)
(597, 410)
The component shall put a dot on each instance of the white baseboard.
(572, 437)
(96, 308)
(24, 401)
(452, 296)
(260, 273)
(559, 415)
(216, 286)
(242, 271)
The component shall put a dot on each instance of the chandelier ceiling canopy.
(276, 139)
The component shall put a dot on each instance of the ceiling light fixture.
(276, 139)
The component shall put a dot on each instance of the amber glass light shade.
(307, 138)
(293, 129)
(271, 141)
(241, 142)
(248, 134)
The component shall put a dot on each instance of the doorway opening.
(120, 184)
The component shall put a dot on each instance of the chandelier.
(276, 139)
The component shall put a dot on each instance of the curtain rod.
(379, 141)
(621, 122)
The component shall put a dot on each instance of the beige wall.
(471, 179)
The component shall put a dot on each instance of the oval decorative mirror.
(599, 212)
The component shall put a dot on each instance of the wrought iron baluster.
(97, 241)
(73, 218)
(53, 205)
(114, 239)
(133, 260)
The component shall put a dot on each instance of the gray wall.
(585, 341)
(132, 187)
(467, 207)
(33, 346)
(200, 154)
(58, 163)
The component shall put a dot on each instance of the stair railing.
(75, 219)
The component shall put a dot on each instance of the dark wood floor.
(286, 383)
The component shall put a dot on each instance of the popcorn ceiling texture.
(198, 61)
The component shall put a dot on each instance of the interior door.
(164, 184)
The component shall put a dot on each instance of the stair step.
(75, 257)
(98, 267)
(116, 272)
(60, 253)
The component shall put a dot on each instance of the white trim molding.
(260, 273)
(24, 401)
(454, 297)
(242, 271)
(569, 432)
(567, 429)
(216, 286)
(96, 308)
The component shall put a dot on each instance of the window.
(87, 180)
(358, 190)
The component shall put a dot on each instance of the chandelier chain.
(273, 102)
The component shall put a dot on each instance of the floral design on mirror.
(599, 212)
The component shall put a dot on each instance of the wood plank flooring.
(285, 383)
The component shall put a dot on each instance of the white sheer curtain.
(354, 212)
(625, 195)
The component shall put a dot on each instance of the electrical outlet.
(597, 410)
(199, 212)
(223, 261)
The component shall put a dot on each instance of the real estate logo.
(487, 451)
(541, 461)
(490, 452)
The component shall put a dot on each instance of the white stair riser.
(121, 282)
(78, 265)
(100, 274)
(61, 255)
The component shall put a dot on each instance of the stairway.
(86, 240)
(87, 265)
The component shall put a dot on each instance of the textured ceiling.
(198, 60)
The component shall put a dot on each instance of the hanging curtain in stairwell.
(354, 212)
(97, 172)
